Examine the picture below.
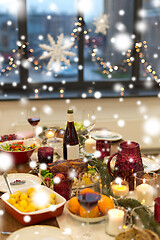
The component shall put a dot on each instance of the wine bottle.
(70, 140)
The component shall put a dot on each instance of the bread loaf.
(137, 234)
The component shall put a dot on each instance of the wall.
(13, 116)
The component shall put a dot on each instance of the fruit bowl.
(83, 219)
(35, 216)
(19, 156)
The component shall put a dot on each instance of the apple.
(60, 175)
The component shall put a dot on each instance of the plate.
(39, 233)
(106, 135)
(30, 181)
(150, 164)
(81, 219)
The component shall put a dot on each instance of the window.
(122, 62)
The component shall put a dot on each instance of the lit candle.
(90, 145)
(115, 222)
(120, 190)
(145, 193)
(49, 133)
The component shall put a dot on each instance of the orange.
(86, 190)
(74, 205)
(94, 212)
(105, 203)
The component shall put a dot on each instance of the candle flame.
(144, 180)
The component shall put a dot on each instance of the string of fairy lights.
(106, 68)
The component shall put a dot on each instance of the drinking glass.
(89, 120)
(33, 118)
(88, 201)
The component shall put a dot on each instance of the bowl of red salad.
(20, 150)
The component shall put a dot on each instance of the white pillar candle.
(90, 145)
(120, 190)
(145, 194)
(115, 222)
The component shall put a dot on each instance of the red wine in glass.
(88, 200)
(33, 121)
(33, 118)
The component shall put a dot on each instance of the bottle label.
(72, 152)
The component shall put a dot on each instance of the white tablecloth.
(67, 223)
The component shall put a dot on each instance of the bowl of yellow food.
(33, 205)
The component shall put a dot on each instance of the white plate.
(81, 219)
(106, 135)
(39, 233)
(150, 164)
(30, 181)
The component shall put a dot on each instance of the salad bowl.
(19, 150)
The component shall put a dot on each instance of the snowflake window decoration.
(57, 52)
(102, 24)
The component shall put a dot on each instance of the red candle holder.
(157, 209)
(104, 147)
(64, 187)
(45, 154)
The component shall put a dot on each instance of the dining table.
(9, 224)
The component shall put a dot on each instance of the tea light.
(90, 145)
(145, 193)
(119, 188)
(49, 133)
(115, 221)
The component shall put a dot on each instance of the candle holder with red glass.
(104, 147)
(157, 209)
(62, 184)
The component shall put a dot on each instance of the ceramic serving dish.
(36, 216)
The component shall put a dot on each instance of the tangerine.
(86, 190)
(105, 203)
(74, 205)
(93, 213)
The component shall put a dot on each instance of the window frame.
(80, 86)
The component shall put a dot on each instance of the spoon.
(6, 233)
(7, 182)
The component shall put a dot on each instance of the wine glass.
(88, 200)
(33, 118)
(89, 120)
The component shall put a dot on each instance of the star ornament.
(102, 24)
(57, 52)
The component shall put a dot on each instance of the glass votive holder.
(145, 187)
(116, 221)
(119, 187)
(104, 147)
(62, 184)
(50, 133)
(157, 209)
(45, 154)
